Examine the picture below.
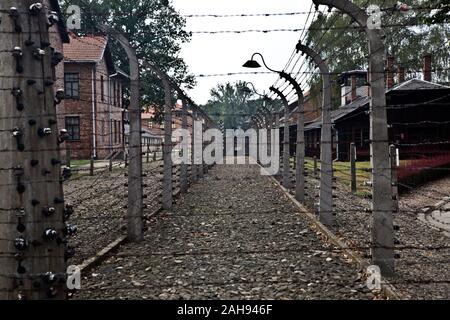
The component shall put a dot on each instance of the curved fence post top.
(354, 11)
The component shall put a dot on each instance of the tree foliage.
(407, 36)
(441, 14)
(153, 27)
(232, 105)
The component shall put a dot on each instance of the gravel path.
(421, 273)
(233, 236)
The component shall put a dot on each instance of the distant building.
(153, 131)
(93, 110)
(418, 116)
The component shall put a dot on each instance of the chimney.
(401, 74)
(427, 67)
(353, 83)
(390, 72)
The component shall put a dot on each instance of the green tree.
(406, 38)
(441, 14)
(232, 105)
(153, 27)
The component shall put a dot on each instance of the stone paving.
(233, 236)
(438, 216)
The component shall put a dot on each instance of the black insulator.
(17, 54)
(18, 171)
(50, 234)
(36, 8)
(57, 57)
(48, 211)
(52, 292)
(69, 253)
(42, 132)
(52, 18)
(21, 269)
(21, 243)
(21, 227)
(34, 163)
(66, 173)
(58, 201)
(20, 188)
(49, 278)
(38, 53)
(63, 136)
(68, 211)
(70, 230)
(14, 14)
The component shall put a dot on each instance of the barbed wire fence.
(348, 175)
(34, 216)
(37, 242)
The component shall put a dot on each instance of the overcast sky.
(224, 53)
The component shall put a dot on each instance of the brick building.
(155, 130)
(92, 112)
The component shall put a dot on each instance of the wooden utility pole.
(353, 167)
(32, 229)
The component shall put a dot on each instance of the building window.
(102, 89)
(72, 85)
(73, 128)
(150, 124)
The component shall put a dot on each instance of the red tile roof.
(89, 48)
